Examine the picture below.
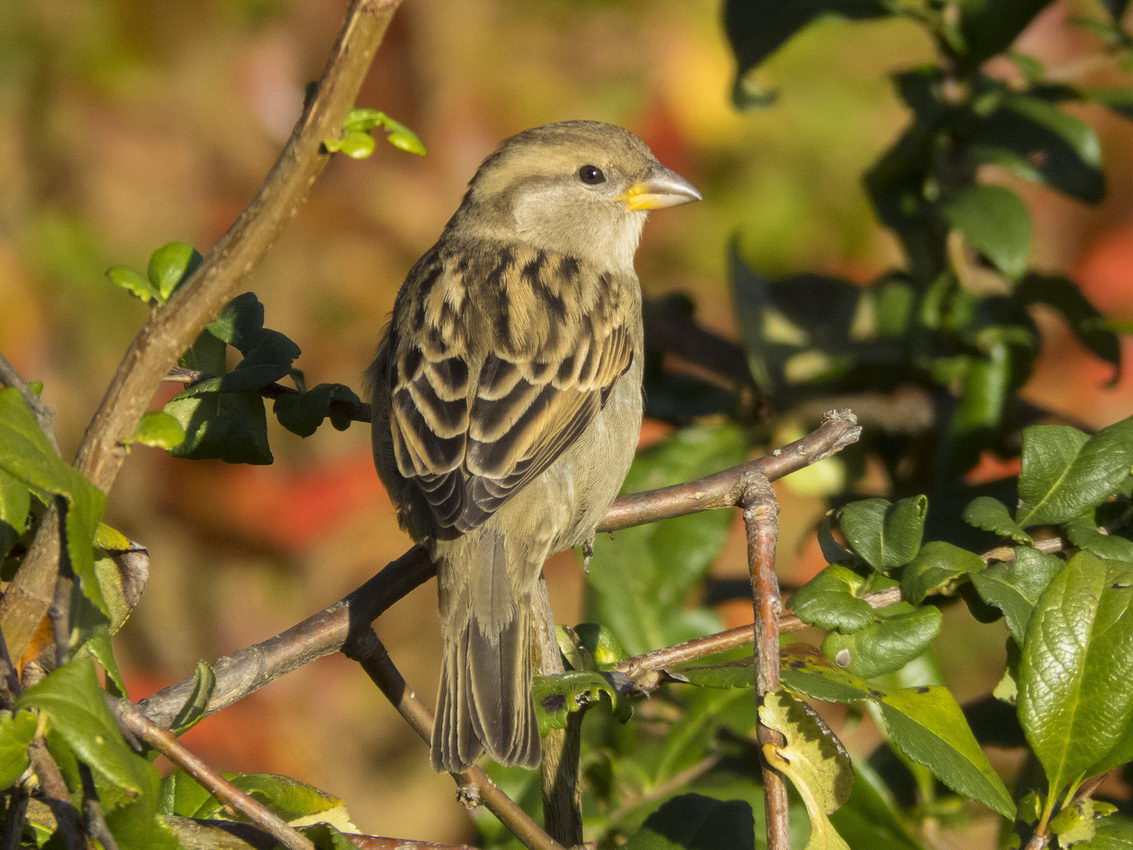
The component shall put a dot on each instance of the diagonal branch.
(249, 669)
(474, 785)
(172, 328)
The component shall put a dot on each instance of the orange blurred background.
(125, 124)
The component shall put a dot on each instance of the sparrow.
(507, 400)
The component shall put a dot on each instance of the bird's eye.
(591, 175)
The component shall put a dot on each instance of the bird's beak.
(662, 188)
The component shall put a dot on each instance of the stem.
(134, 721)
(474, 785)
(562, 748)
(761, 520)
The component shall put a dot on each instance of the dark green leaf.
(171, 264)
(1014, 587)
(832, 600)
(228, 426)
(1065, 472)
(136, 822)
(1076, 675)
(326, 837)
(757, 28)
(695, 822)
(871, 818)
(1038, 141)
(638, 580)
(887, 645)
(75, 704)
(935, 569)
(995, 223)
(1085, 534)
(805, 670)
(303, 413)
(988, 27)
(15, 502)
(737, 673)
(992, 515)
(1119, 100)
(885, 534)
(16, 733)
(1084, 319)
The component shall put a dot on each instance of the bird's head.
(578, 187)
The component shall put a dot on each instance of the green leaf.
(1076, 674)
(158, 429)
(75, 704)
(169, 265)
(887, 645)
(995, 223)
(927, 725)
(16, 733)
(1114, 832)
(355, 144)
(302, 413)
(26, 456)
(871, 817)
(599, 645)
(757, 28)
(196, 704)
(992, 515)
(935, 570)
(1084, 533)
(988, 27)
(737, 673)
(832, 600)
(15, 503)
(1038, 141)
(815, 762)
(327, 837)
(132, 282)
(227, 426)
(1065, 472)
(639, 579)
(886, 535)
(556, 697)
(694, 821)
(1014, 587)
(137, 823)
(1084, 319)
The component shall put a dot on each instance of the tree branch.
(133, 721)
(761, 521)
(172, 328)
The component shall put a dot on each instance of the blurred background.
(126, 124)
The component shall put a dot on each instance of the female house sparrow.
(507, 402)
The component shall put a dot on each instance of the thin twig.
(325, 632)
(133, 720)
(172, 328)
(761, 521)
(97, 827)
(58, 796)
(562, 748)
(474, 785)
(44, 414)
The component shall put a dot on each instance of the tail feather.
(484, 701)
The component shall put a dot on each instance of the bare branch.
(172, 328)
(474, 785)
(134, 722)
(761, 520)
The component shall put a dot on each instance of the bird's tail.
(484, 702)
